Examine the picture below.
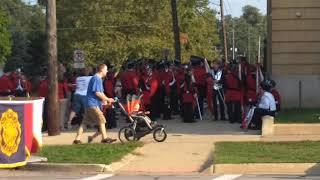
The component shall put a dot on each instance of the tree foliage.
(122, 29)
(5, 41)
(248, 28)
(27, 28)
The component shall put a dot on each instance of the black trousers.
(20, 93)
(187, 109)
(258, 114)
(166, 108)
(218, 95)
(111, 118)
(45, 116)
(201, 94)
(234, 111)
(6, 93)
(174, 99)
(156, 105)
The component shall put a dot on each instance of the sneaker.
(77, 142)
(90, 139)
(108, 140)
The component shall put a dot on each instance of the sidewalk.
(188, 148)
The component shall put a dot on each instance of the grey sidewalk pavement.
(188, 148)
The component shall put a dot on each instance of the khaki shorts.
(93, 116)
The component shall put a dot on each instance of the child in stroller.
(140, 124)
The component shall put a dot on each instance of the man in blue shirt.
(95, 99)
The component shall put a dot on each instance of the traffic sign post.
(78, 58)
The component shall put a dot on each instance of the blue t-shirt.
(95, 85)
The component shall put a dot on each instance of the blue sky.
(233, 7)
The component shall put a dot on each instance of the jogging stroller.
(140, 124)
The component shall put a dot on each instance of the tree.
(248, 28)
(252, 15)
(118, 30)
(26, 26)
(5, 43)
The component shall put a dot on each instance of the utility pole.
(233, 42)
(259, 50)
(51, 31)
(224, 32)
(176, 30)
(249, 44)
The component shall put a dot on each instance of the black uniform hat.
(161, 64)
(266, 84)
(130, 64)
(177, 62)
(151, 64)
(196, 60)
(273, 83)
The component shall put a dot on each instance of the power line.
(229, 6)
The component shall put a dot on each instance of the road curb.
(73, 167)
(66, 167)
(267, 168)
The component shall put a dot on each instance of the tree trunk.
(176, 30)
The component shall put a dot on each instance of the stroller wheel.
(127, 134)
(159, 134)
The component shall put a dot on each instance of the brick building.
(294, 50)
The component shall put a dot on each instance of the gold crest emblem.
(10, 132)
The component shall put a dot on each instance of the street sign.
(78, 58)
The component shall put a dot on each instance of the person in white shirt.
(266, 105)
(218, 94)
(79, 97)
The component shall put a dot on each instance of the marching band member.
(199, 73)
(233, 94)
(218, 94)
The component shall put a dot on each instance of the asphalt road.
(30, 175)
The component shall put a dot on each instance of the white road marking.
(227, 177)
(98, 177)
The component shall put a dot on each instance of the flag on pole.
(206, 65)
(259, 77)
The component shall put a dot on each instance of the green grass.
(267, 152)
(298, 116)
(88, 153)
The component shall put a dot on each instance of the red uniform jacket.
(179, 75)
(130, 81)
(276, 96)
(6, 84)
(251, 94)
(62, 90)
(108, 88)
(166, 78)
(199, 73)
(27, 86)
(188, 95)
(43, 89)
(152, 85)
(233, 88)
